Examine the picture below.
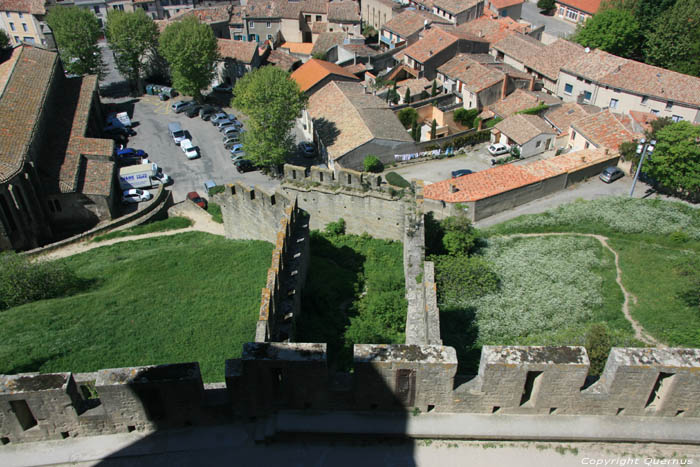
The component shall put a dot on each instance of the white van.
(176, 132)
(190, 150)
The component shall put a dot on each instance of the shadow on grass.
(334, 279)
(458, 329)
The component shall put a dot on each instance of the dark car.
(196, 199)
(125, 152)
(307, 149)
(207, 111)
(123, 161)
(119, 131)
(610, 174)
(193, 110)
(244, 165)
(459, 173)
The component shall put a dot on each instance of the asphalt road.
(552, 24)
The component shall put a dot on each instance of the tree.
(598, 347)
(407, 96)
(272, 101)
(674, 41)
(373, 164)
(407, 116)
(76, 31)
(191, 51)
(392, 95)
(460, 237)
(415, 131)
(4, 39)
(675, 162)
(433, 129)
(433, 91)
(131, 36)
(466, 117)
(545, 5)
(615, 31)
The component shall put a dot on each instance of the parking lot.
(432, 171)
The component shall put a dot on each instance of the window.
(562, 11)
(669, 105)
(613, 103)
(24, 26)
(269, 24)
(538, 144)
(676, 118)
(17, 41)
(585, 146)
(307, 18)
(12, 26)
(645, 99)
(568, 88)
(7, 13)
(251, 25)
(655, 112)
(572, 15)
(587, 96)
(269, 37)
(21, 16)
(237, 37)
(573, 135)
(318, 17)
(29, 40)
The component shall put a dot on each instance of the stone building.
(23, 21)
(56, 177)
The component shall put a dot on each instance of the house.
(56, 174)
(351, 52)
(315, 74)
(376, 13)
(491, 29)
(351, 124)
(282, 59)
(601, 130)
(23, 21)
(218, 18)
(528, 133)
(577, 11)
(262, 21)
(458, 11)
(515, 49)
(544, 63)
(518, 101)
(479, 80)
(434, 49)
(325, 42)
(344, 16)
(418, 88)
(505, 8)
(561, 117)
(623, 85)
(406, 27)
(236, 59)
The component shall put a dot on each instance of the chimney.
(504, 88)
(532, 83)
(453, 188)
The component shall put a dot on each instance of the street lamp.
(643, 148)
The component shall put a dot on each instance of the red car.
(196, 199)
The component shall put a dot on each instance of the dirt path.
(639, 331)
(202, 223)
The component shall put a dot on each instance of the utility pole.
(643, 148)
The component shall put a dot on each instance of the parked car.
(119, 130)
(236, 149)
(461, 172)
(162, 96)
(193, 110)
(124, 152)
(222, 88)
(231, 131)
(232, 138)
(163, 178)
(244, 165)
(610, 174)
(221, 124)
(135, 195)
(190, 150)
(207, 111)
(237, 157)
(231, 143)
(208, 185)
(497, 149)
(181, 106)
(176, 132)
(196, 199)
(307, 149)
(219, 117)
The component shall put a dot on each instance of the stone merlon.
(404, 353)
(515, 355)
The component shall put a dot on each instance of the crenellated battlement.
(339, 179)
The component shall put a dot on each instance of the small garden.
(354, 293)
(113, 306)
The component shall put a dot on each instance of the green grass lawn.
(354, 293)
(171, 223)
(215, 211)
(182, 298)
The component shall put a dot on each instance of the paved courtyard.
(552, 24)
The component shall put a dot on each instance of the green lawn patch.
(171, 223)
(215, 211)
(181, 298)
(354, 294)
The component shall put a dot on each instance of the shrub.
(463, 278)
(598, 347)
(397, 180)
(216, 189)
(545, 5)
(534, 110)
(466, 117)
(407, 116)
(335, 228)
(373, 164)
(492, 122)
(23, 280)
(459, 237)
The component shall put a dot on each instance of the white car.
(190, 150)
(162, 178)
(135, 196)
(497, 149)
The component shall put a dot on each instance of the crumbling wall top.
(515, 355)
(14, 384)
(149, 374)
(404, 353)
(683, 358)
(284, 351)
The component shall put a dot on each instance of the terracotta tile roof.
(500, 179)
(208, 15)
(343, 12)
(500, 4)
(319, 27)
(21, 104)
(361, 50)
(34, 7)
(238, 50)
(643, 119)
(282, 59)
(315, 70)
(489, 29)
(236, 15)
(301, 48)
(263, 9)
(345, 118)
(433, 42)
(523, 128)
(7, 66)
(549, 60)
(515, 102)
(564, 115)
(455, 6)
(603, 130)
(595, 65)
(327, 40)
(475, 76)
(519, 46)
(98, 177)
(357, 68)
(415, 85)
(405, 24)
(588, 6)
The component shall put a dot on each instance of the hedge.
(397, 180)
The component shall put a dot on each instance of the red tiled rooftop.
(500, 4)
(455, 6)
(242, 51)
(315, 70)
(433, 42)
(549, 60)
(522, 128)
(491, 30)
(588, 6)
(603, 129)
(34, 7)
